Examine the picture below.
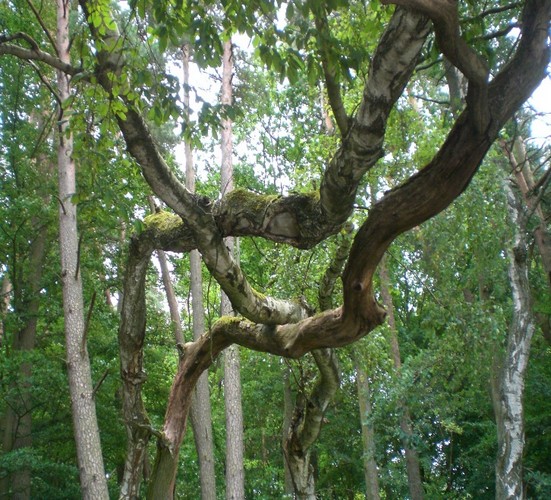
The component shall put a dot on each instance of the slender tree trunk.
(287, 418)
(524, 179)
(508, 381)
(5, 293)
(25, 341)
(235, 472)
(169, 291)
(90, 460)
(368, 433)
(7, 419)
(200, 414)
(413, 467)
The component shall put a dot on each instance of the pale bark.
(524, 179)
(5, 293)
(304, 220)
(371, 472)
(509, 377)
(86, 432)
(235, 471)
(413, 467)
(201, 415)
(171, 299)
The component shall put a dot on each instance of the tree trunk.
(413, 467)
(25, 341)
(5, 292)
(508, 382)
(287, 417)
(200, 414)
(235, 472)
(90, 460)
(524, 179)
(368, 433)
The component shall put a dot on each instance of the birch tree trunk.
(200, 412)
(413, 467)
(508, 382)
(235, 472)
(90, 461)
(524, 179)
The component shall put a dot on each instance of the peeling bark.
(524, 180)
(280, 327)
(508, 383)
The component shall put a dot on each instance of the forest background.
(416, 407)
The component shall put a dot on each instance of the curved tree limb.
(445, 18)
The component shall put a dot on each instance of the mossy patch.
(248, 200)
(163, 221)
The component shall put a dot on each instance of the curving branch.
(34, 53)
(445, 18)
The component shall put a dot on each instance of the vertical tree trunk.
(5, 292)
(25, 341)
(90, 460)
(368, 434)
(508, 381)
(287, 417)
(200, 414)
(413, 467)
(524, 179)
(235, 472)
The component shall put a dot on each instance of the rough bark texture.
(131, 339)
(201, 416)
(413, 467)
(281, 326)
(304, 426)
(306, 423)
(508, 382)
(368, 433)
(524, 179)
(90, 460)
(235, 470)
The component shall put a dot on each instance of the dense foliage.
(449, 282)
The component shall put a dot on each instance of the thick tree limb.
(444, 16)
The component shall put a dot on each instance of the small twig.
(87, 325)
(78, 256)
(61, 203)
(44, 28)
(158, 434)
(100, 381)
(46, 82)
